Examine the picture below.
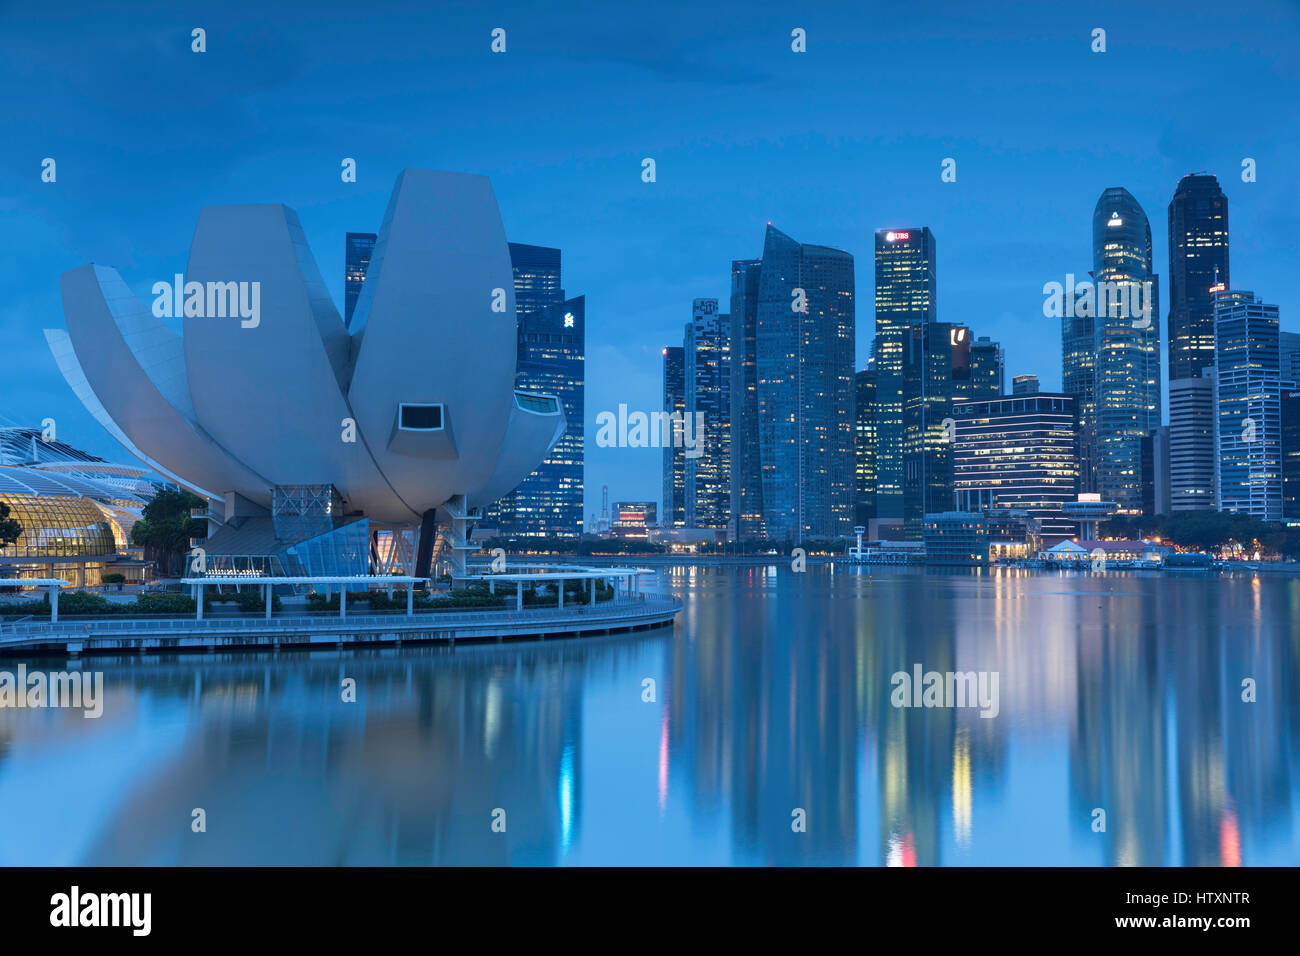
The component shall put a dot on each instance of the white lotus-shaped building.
(279, 411)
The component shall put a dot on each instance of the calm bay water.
(1120, 692)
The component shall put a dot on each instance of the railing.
(433, 619)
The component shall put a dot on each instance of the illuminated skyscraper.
(551, 359)
(864, 445)
(987, 370)
(707, 351)
(356, 256)
(1198, 261)
(1127, 334)
(936, 371)
(804, 353)
(906, 295)
(1018, 452)
(746, 473)
(1248, 405)
(673, 513)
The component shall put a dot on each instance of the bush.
(112, 577)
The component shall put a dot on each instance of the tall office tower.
(1018, 452)
(1290, 409)
(1024, 384)
(1191, 442)
(906, 295)
(1155, 471)
(746, 473)
(864, 445)
(1247, 405)
(1079, 381)
(804, 353)
(708, 392)
(987, 369)
(1289, 356)
(356, 257)
(673, 512)
(936, 366)
(551, 359)
(1198, 261)
(1127, 332)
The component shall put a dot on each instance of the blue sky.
(829, 145)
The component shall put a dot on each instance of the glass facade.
(1018, 452)
(804, 354)
(58, 526)
(358, 247)
(674, 460)
(906, 295)
(746, 471)
(864, 446)
(936, 370)
(1127, 380)
(1248, 406)
(1198, 261)
(551, 361)
(708, 393)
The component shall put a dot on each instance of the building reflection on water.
(1120, 692)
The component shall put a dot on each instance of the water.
(1120, 692)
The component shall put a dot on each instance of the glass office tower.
(673, 512)
(906, 295)
(987, 369)
(936, 370)
(1248, 405)
(746, 473)
(804, 354)
(551, 359)
(1127, 334)
(1198, 261)
(864, 445)
(358, 247)
(708, 392)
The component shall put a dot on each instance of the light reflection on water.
(772, 694)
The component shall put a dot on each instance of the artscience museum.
(323, 447)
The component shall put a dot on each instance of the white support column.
(591, 587)
(266, 592)
(343, 600)
(410, 598)
(492, 586)
(198, 601)
(519, 596)
(561, 592)
(54, 603)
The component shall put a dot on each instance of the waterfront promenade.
(114, 635)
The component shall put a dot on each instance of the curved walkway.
(109, 635)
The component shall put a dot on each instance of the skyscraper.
(1018, 452)
(936, 371)
(1079, 381)
(1127, 332)
(551, 359)
(1248, 405)
(804, 353)
(356, 256)
(673, 513)
(1290, 406)
(746, 473)
(906, 295)
(987, 370)
(864, 445)
(707, 351)
(1198, 261)
(1191, 442)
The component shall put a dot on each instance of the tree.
(10, 529)
(165, 528)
